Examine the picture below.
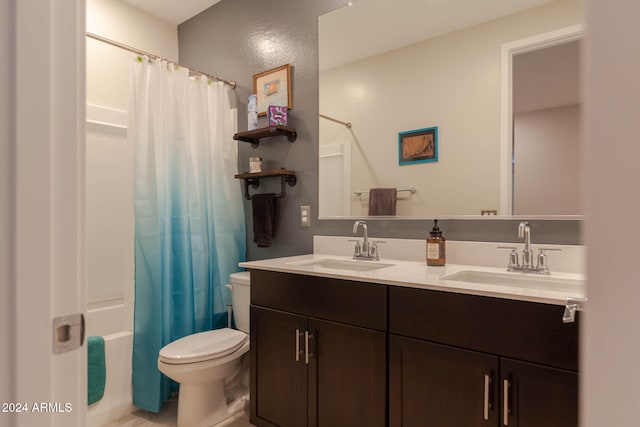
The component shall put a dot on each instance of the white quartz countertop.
(532, 287)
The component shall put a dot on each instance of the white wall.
(452, 82)
(610, 339)
(547, 164)
(107, 66)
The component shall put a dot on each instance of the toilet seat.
(203, 346)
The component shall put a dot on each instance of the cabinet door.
(432, 385)
(278, 380)
(536, 395)
(347, 376)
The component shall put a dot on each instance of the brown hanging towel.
(382, 201)
(264, 214)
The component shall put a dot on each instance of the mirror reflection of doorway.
(546, 131)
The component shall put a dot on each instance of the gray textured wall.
(228, 40)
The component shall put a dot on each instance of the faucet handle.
(542, 259)
(373, 250)
(513, 257)
(357, 251)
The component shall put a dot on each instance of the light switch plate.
(305, 216)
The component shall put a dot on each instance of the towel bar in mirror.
(412, 190)
(253, 180)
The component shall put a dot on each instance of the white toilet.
(201, 362)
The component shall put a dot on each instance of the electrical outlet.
(305, 216)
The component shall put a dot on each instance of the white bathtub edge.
(117, 399)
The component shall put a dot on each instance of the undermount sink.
(342, 264)
(523, 280)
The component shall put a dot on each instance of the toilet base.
(202, 398)
(202, 404)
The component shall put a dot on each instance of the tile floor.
(167, 418)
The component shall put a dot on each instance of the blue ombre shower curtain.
(189, 218)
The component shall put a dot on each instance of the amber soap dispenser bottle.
(436, 251)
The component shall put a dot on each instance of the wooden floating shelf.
(253, 179)
(254, 136)
(265, 174)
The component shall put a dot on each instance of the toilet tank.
(240, 284)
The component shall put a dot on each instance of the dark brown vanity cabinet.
(328, 352)
(463, 360)
(318, 351)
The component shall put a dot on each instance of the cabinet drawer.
(521, 330)
(344, 301)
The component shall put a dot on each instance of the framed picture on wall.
(273, 87)
(418, 146)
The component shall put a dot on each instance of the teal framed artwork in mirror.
(418, 146)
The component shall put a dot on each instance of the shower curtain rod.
(347, 124)
(141, 52)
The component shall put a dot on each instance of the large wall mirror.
(507, 139)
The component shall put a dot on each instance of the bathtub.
(116, 403)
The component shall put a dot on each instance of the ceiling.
(371, 27)
(172, 11)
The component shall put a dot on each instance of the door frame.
(509, 50)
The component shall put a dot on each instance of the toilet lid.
(241, 278)
(203, 346)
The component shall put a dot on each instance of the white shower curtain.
(189, 218)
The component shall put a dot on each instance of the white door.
(610, 351)
(44, 53)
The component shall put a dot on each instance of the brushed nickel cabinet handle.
(307, 337)
(505, 408)
(487, 382)
(298, 335)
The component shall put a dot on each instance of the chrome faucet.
(524, 232)
(365, 243)
(365, 250)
